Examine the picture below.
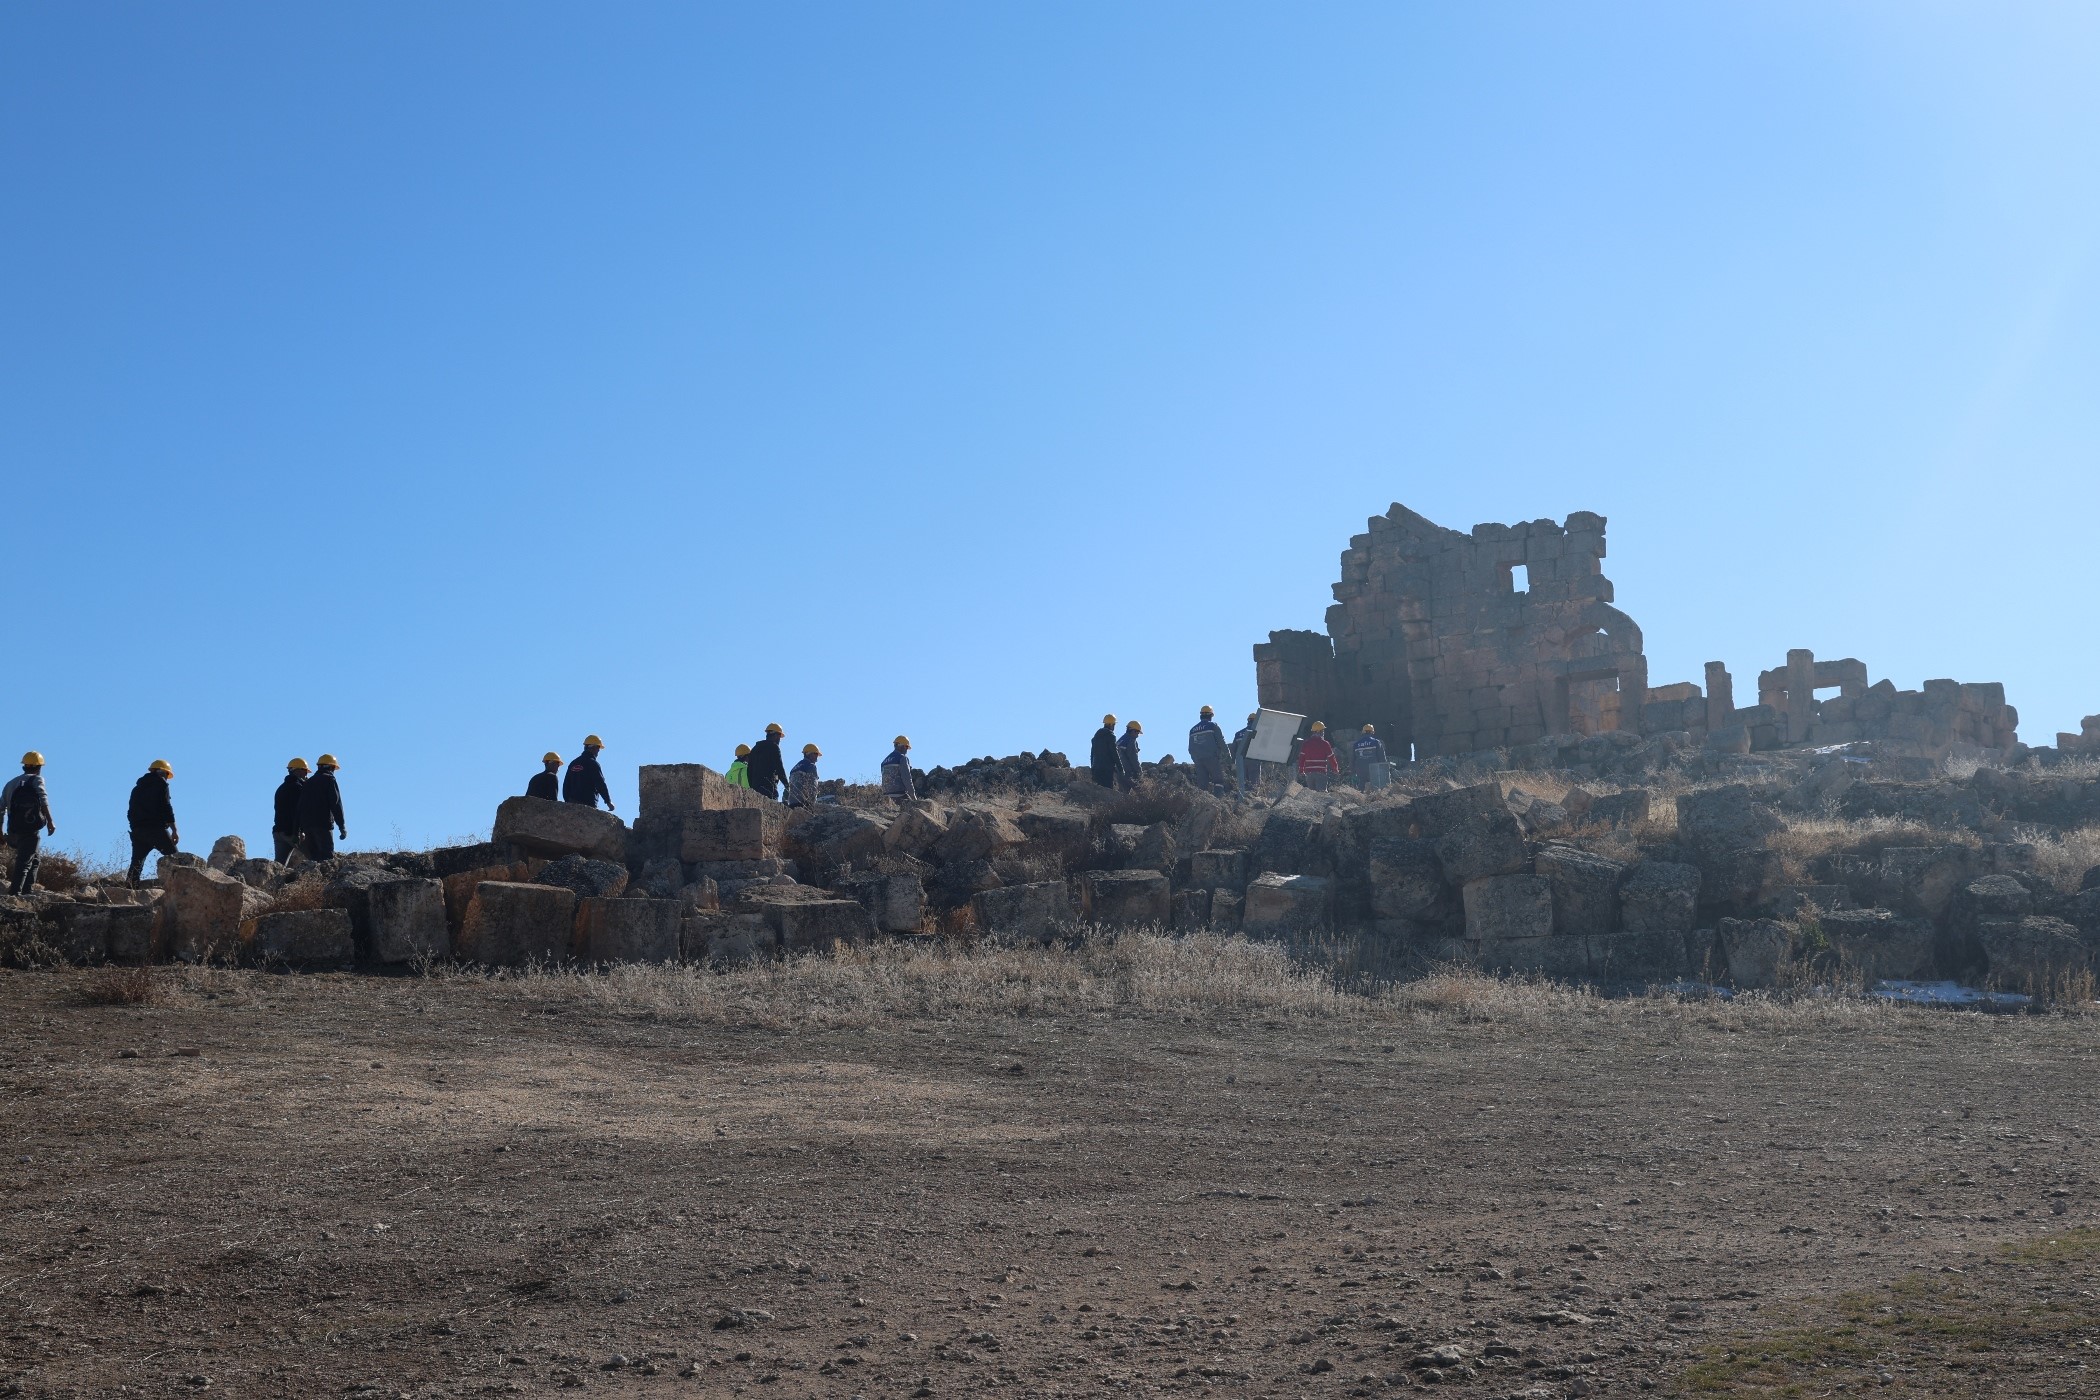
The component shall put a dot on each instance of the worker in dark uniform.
(585, 782)
(764, 767)
(320, 809)
(1207, 749)
(284, 821)
(547, 784)
(1103, 760)
(1129, 772)
(152, 818)
(1243, 766)
(27, 809)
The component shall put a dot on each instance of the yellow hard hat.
(297, 765)
(1253, 716)
(1318, 727)
(902, 742)
(592, 741)
(551, 757)
(160, 765)
(1370, 729)
(743, 751)
(1136, 728)
(775, 729)
(1108, 720)
(1206, 712)
(32, 759)
(327, 760)
(811, 751)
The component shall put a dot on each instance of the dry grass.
(121, 986)
(1807, 837)
(2062, 858)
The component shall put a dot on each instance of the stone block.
(917, 826)
(1062, 833)
(1191, 909)
(556, 829)
(976, 833)
(835, 836)
(1407, 880)
(447, 861)
(134, 933)
(1218, 870)
(204, 910)
(1501, 907)
(687, 789)
(226, 853)
(302, 938)
(1033, 913)
(726, 939)
(406, 919)
(1638, 957)
(1127, 897)
(1133, 847)
(1878, 945)
(1585, 889)
(510, 925)
(736, 833)
(1226, 908)
(1475, 832)
(1543, 955)
(460, 887)
(897, 903)
(262, 874)
(1725, 819)
(610, 930)
(2035, 954)
(1618, 809)
(1659, 897)
(590, 879)
(1756, 951)
(1277, 904)
(803, 924)
(79, 933)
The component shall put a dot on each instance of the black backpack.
(25, 810)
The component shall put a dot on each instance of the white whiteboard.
(1273, 733)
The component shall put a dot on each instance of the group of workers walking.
(760, 767)
(1115, 763)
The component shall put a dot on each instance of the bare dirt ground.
(1040, 1178)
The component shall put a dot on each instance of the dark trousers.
(285, 842)
(1316, 781)
(1105, 776)
(318, 845)
(143, 844)
(25, 845)
(1124, 780)
(1210, 774)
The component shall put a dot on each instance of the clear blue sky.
(435, 383)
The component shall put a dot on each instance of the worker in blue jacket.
(1128, 770)
(896, 772)
(1207, 749)
(1367, 755)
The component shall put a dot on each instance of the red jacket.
(1316, 755)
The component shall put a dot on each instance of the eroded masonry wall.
(1453, 642)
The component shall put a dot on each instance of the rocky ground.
(1147, 1166)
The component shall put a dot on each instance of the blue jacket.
(1367, 749)
(1127, 755)
(896, 774)
(1206, 740)
(802, 784)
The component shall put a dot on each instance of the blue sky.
(434, 384)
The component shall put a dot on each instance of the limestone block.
(1476, 834)
(735, 833)
(1618, 809)
(1407, 880)
(555, 829)
(1191, 909)
(802, 924)
(1062, 833)
(688, 789)
(1878, 945)
(1756, 951)
(2034, 954)
(1034, 913)
(302, 938)
(263, 874)
(834, 836)
(351, 892)
(1218, 870)
(1724, 819)
(1508, 906)
(726, 939)
(1283, 904)
(1133, 847)
(204, 910)
(1637, 957)
(1585, 889)
(79, 933)
(897, 903)
(1226, 908)
(134, 933)
(976, 833)
(1659, 897)
(917, 826)
(628, 930)
(1544, 955)
(509, 925)
(590, 879)
(1127, 897)
(461, 885)
(227, 852)
(406, 919)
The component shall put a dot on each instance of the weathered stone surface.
(688, 789)
(1757, 951)
(1659, 897)
(2034, 954)
(727, 939)
(1617, 809)
(1132, 847)
(1276, 904)
(79, 933)
(1638, 957)
(262, 874)
(1407, 880)
(1062, 833)
(1501, 907)
(1921, 880)
(1034, 913)
(555, 829)
(897, 903)
(204, 910)
(735, 833)
(610, 930)
(590, 879)
(226, 853)
(302, 938)
(976, 833)
(1127, 897)
(509, 925)
(461, 885)
(1585, 889)
(803, 924)
(406, 920)
(1724, 819)
(1541, 954)
(1226, 908)
(1191, 909)
(134, 933)
(1877, 944)
(835, 836)
(1218, 870)
(916, 827)
(1476, 834)
(447, 861)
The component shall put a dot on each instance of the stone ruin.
(1456, 644)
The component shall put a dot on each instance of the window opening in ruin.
(1519, 577)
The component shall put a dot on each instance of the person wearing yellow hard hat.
(26, 806)
(766, 768)
(284, 821)
(1128, 769)
(802, 778)
(1367, 757)
(1317, 764)
(151, 816)
(739, 774)
(1102, 760)
(896, 772)
(546, 784)
(585, 782)
(1244, 768)
(321, 811)
(1207, 749)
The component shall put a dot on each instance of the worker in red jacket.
(1317, 764)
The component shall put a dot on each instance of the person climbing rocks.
(896, 772)
(320, 810)
(1103, 761)
(1129, 772)
(27, 808)
(1367, 755)
(1207, 750)
(151, 817)
(767, 770)
(284, 817)
(802, 778)
(584, 783)
(547, 782)
(1317, 764)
